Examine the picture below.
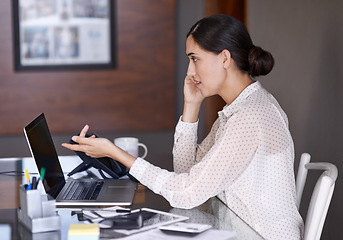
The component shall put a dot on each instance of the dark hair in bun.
(261, 62)
(219, 32)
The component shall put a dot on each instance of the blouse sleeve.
(186, 151)
(185, 146)
(223, 163)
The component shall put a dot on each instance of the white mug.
(131, 145)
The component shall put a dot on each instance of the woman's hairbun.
(261, 62)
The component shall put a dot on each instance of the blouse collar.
(228, 110)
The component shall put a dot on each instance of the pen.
(34, 183)
(27, 179)
(42, 174)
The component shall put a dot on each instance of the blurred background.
(142, 95)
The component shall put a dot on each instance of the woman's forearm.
(190, 112)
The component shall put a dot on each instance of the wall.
(158, 141)
(306, 38)
(133, 96)
(189, 12)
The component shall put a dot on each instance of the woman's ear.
(226, 58)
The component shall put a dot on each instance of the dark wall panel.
(138, 95)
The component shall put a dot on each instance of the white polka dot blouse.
(246, 160)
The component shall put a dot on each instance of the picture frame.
(63, 34)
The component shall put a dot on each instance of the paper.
(98, 215)
(157, 234)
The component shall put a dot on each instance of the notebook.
(72, 192)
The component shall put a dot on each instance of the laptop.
(72, 192)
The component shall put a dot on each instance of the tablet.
(149, 219)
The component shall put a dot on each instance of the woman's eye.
(194, 59)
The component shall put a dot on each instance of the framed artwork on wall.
(63, 34)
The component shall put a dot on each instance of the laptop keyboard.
(83, 190)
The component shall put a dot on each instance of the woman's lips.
(196, 82)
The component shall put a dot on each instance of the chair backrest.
(321, 196)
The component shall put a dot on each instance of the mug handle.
(145, 149)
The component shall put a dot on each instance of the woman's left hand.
(93, 147)
(99, 147)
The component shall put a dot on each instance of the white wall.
(306, 40)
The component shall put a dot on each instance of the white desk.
(213, 212)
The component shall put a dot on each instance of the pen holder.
(36, 212)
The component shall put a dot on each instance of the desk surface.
(213, 212)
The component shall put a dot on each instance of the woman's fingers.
(82, 140)
(84, 131)
(84, 144)
(73, 147)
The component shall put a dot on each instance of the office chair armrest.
(330, 169)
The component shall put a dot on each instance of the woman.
(247, 158)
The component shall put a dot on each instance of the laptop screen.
(44, 153)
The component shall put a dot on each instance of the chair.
(321, 196)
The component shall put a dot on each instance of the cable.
(21, 173)
(15, 173)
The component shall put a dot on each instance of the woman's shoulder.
(260, 100)
(262, 105)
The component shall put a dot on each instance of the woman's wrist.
(122, 156)
(191, 112)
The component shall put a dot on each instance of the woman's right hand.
(193, 99)
(192, 93)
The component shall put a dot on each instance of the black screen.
(44, 153)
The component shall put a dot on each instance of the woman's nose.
(190, 70)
